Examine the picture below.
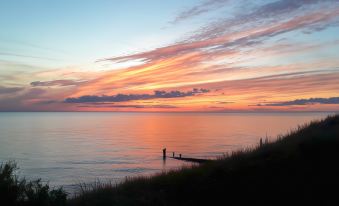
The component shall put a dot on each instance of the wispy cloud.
(61, 82)
(10, 90)
(233, 35)
(199, 9)
(270, 12)
(27, 56)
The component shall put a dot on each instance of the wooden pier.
(187, 159)
(196, 160)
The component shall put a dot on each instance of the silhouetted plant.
(11, 189)
(15, 191)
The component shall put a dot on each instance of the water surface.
(69, 148)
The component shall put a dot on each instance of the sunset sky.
(151, 55)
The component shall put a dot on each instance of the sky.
(175, 56)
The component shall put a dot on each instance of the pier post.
(180, 156)
(164, 153)
(173, 154)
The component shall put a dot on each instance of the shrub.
(15, 191)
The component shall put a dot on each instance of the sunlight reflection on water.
(70, 148)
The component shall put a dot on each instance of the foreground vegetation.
(299, 168)
(15, 191)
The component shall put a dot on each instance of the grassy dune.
(301, 168)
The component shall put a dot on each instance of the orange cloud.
(234, 63)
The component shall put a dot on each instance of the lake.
(76, 147)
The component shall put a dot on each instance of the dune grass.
(298, 168)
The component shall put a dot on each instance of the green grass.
(300, 168)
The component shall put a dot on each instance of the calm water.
(69, 148)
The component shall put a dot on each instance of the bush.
(15, 191)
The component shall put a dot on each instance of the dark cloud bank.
(131, 106)
(330, 100)
(130, 97)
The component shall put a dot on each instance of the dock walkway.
(196, 160)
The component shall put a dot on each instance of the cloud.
(278, 86)
(63, 82)
(264, 10)
(224, 102)
(46, 102)
(21, 101)
(247, 29)
(330, 100)
(130, 97)
(135, 106)
(9, 90)
(27, 56)
(199, 9)
(220, 50)
(264, 14)
(239, 56)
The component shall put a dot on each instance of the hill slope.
(300, 168)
